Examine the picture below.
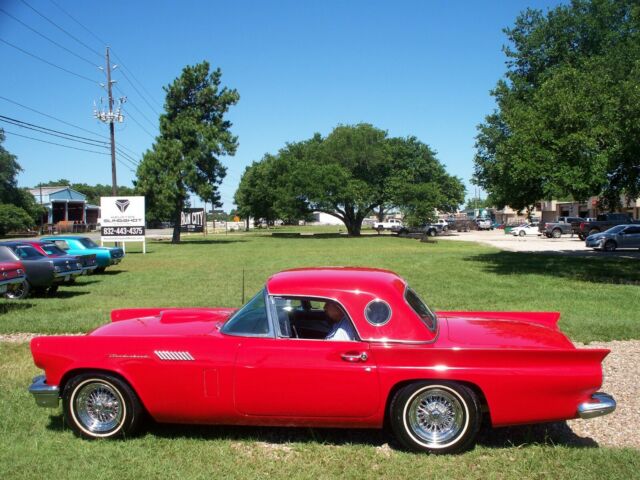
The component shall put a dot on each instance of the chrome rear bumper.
(45, 395)
(600, 404)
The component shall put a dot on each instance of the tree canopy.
(92, 192)
(18, 209)
(567, 121)
(194, 134)
(347, 174)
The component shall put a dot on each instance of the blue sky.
(422, 68)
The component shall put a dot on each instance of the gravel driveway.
(565, 245)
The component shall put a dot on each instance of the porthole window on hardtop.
(251, 320)
(377, 312)
(418, 306)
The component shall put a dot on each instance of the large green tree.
(355, 169)
(19, 210)
(568, 110)
(194, 134)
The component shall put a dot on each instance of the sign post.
(123, 220)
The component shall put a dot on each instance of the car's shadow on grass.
(587, 269)
(61, 294)
(548, 434)
(108, 273)
(7, 306)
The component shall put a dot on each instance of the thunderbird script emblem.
(122, 205)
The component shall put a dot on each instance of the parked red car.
(432, 376)
(11, 271)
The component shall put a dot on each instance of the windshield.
(418, 306)
(616, 229)
(88, 243)
(24, 251)
(250, 320)
(51, 249)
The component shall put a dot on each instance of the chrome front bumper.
(600, 404)
(45, 395)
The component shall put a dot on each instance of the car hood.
(597, 236)
(521, 330)
(164, 322)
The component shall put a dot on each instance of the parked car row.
(43, 265)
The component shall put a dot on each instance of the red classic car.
(323, 347)
(11, 271)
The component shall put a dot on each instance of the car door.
(304, 378)
(631, 237)
(289, 377)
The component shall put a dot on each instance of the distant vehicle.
(76, 245)
(484, 224)
(50, 249)
(604, 222)
(443, 223)
(12, 273)
(43, 273)
(392, 224)
(563, 225)
(428, 229)
(526, 229)
(620, 236)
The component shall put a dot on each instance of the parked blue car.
(620, 236)
(77, 245)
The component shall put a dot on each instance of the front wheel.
(610, 246)
(100, 269)
(522, 233)
(439, 417)
(99, 405)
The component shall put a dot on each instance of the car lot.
(565, 245)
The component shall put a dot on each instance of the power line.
(48, 39)
(120, 145)
(139, 124)
(54, 143)
(54, 132)
(48, 62)
(138, 91)
(136, 108)
(62, 29)
(102, 42)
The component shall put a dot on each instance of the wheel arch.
(482, 399)
(66, 378)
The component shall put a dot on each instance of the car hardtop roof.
(322, 279)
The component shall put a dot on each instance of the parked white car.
(392, 224)
(526, 229)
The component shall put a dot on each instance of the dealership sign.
(192, 220)
(122, 219)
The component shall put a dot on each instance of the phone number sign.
(122, 218)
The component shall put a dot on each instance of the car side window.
(304, 317)
(61, 244)
(632, 230)
(251, 320)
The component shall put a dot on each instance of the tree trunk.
(177, 220)
(380, 213)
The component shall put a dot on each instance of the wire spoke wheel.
(99, 407)
(436, 416)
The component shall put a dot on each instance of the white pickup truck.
(392, 224)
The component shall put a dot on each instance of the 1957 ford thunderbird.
(322, 347)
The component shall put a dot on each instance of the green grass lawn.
(598, 297)
(35, 444)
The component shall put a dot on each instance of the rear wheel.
(522, 233)
(610, 246)
(98, 405)
(581, 236)
(18, 291)
(438, 417)
(556, 233)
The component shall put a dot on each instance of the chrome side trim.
(601, 404)
(47, 396)
(173, 355)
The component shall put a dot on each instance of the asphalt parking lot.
(565, 245)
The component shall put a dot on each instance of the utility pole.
(111, 117)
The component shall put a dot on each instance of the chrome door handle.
(355, 357)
